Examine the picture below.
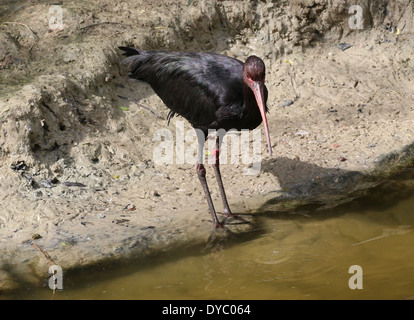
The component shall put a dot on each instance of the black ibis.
(211, 91)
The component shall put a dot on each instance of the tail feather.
(133, 61)
(130, 51)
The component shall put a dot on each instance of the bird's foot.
(229, 215)
(220, 225)
(217, 225)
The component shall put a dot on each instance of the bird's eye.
(250, 80)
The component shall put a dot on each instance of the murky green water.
(294, 256)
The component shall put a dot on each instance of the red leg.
(216, 165)
(201, 172)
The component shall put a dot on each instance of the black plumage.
(204, 88)
(211, 91)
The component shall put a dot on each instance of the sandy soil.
(77, 140)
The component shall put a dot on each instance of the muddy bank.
(77, 139)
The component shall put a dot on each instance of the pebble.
(343, 46)
(36, 236)
(287, 103)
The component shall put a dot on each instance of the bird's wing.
(193, 85)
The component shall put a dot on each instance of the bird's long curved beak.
(258, 90)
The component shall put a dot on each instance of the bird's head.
(254, 71)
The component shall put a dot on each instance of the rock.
(36, 236)
(287, 103)
(344, 46)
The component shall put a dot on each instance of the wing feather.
(193, 85)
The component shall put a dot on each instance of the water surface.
(296, 255)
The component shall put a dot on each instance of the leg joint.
(201, 171)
